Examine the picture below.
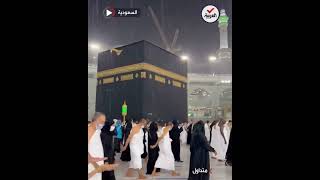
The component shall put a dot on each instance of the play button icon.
(109, 12)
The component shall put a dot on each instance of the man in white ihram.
(95, 148)
(207, 131)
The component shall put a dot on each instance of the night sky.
(197, 38)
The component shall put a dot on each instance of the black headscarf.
(175, 123)
(153, 136)
(198, 128)
(153, 127)
(197, 131)
(107, 126)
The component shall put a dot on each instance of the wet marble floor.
(220, 171)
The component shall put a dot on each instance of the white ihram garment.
(228, 131)
(183, 136)
(95, 149)
(146, 138)
(214, 139)
(221, 146)
(166, 158)
(207, 131)
(136, 149)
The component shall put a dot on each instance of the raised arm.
(205, 144)
(102, 168)
(180, 129)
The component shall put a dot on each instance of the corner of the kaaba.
(151, 80)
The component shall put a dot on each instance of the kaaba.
(150, 80)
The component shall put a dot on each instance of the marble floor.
(220, 171)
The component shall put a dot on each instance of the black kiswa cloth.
(150, 79)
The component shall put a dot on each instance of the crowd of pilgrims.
(157, 143)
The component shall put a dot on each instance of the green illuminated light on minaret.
(223, 19)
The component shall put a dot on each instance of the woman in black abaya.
(145, 143)
(153, 153)
(107, 138)
(199, 159)
(175, 144)
(125, 155)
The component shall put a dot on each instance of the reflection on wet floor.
(220, 171)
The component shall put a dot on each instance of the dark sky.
(197, 38)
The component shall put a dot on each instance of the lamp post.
(93, 50)
(212, 58)
(94, 46)
(184, 58)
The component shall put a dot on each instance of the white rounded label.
(210, 14)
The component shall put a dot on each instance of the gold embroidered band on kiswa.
(160, 79)
(126, 77)
(108, 80)
(141, 66)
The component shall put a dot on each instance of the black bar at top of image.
(127, 12)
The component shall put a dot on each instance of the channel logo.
(121, 12)
(210, 14)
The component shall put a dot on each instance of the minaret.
(224, 53)
(223, 27)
